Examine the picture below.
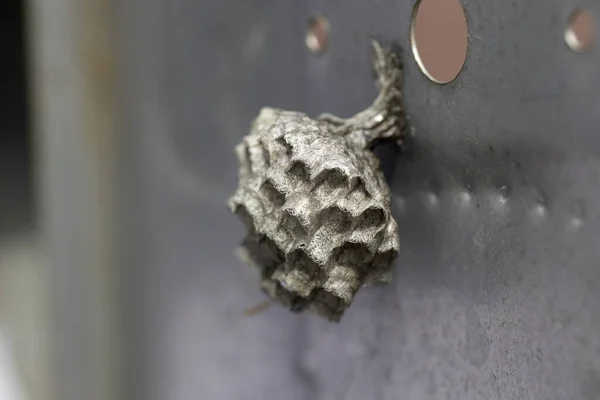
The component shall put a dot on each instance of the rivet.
(503, 196)
(576, 222)
(400, 203)
(433, 199)
(465, 197)
(539, 210)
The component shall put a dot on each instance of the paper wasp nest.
(316, 205)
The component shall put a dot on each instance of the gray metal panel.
(496, 291)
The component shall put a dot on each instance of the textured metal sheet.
(497, 198)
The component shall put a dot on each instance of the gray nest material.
(315, 202)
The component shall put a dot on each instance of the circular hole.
(580, 31)
(439, 38)
(317, 34)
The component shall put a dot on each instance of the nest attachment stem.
(384, 119)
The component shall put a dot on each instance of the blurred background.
(24, 333)
(118, 277)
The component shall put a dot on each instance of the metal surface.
(496, 290)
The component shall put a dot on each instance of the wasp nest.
(315, 202)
